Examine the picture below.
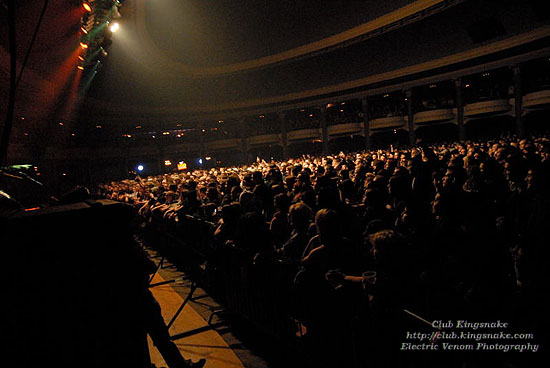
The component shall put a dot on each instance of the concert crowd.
(376, 244)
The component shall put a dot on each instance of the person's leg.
(156, 328)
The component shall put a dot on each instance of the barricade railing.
(258, 293)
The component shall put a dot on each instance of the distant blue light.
(140, 167)
(200, 161)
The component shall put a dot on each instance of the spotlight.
(80, 67)
(87, 6)
(140, 167)
(114, 27)
(83, 45)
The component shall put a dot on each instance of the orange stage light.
(83, 45)
(87, 7)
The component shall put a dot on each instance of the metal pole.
(410, 112)
(366, 122)
(460, 110)
(13, 78)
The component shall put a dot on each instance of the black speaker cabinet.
(71, 285)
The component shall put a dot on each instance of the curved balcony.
(433, 116)
(344, 129)
(387, 122)
(224, 144)
(487, 108)
(264, 139)
(295, 135)
(537, 100)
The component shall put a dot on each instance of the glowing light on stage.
(80, 67)
(182, 166)
(114, 27)
(140, 167)
(87, 7)
(83, 45)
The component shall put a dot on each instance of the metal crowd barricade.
(259, 294)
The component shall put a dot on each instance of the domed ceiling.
(178, 61)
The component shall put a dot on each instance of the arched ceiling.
(210, 38)
(178, 60)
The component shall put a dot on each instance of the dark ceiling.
(174, 60)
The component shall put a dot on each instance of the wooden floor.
(207, 344)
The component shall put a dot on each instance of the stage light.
(200, 161)
(87, 6)
(114, 27)
(139, 167)
(84, 30)
(80, 58)
(83, 45)
(80, 67)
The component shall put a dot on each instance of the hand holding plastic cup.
(369, 278)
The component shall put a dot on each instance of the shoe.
(198, 364)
